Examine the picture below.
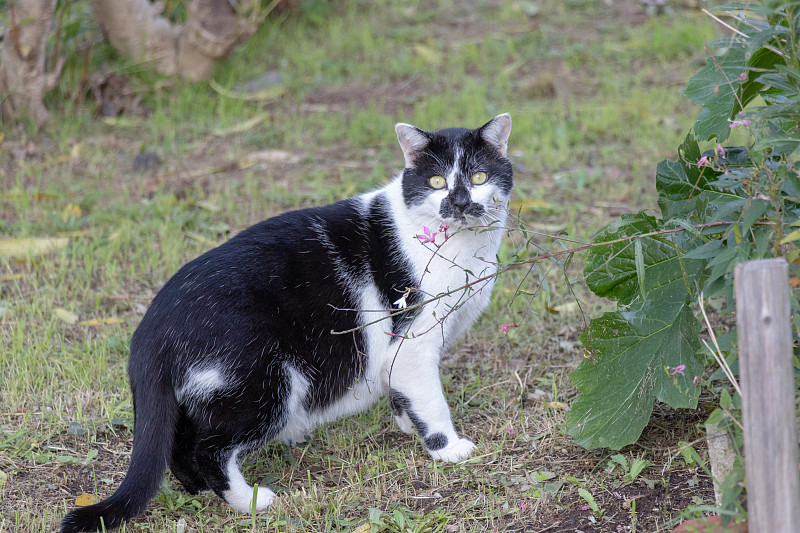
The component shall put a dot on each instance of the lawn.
(593, 89)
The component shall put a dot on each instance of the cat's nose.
(460, 198)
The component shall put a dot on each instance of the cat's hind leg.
(183, 461)
(221, 468)
(231, 424)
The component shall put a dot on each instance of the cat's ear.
(412, 141)
(496, 132)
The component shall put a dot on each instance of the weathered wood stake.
(767, 373)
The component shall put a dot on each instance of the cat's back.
(272, 275)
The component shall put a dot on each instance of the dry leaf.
(100, 321)
(428, 54)
(529, 204)
(32, 246)
(568, 307)
(84, 499)
(268, 156)
(557, 405)
(66, 316)
(71, 210)
(363, 528)
(270, 93)
(242, 126)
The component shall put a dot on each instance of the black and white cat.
(244, 344)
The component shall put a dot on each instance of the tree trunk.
(23, 80)
(212, 30)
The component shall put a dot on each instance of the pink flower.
(703, 162)
(505, 329)
(523, 506)
(428, 237)
(677, 370)
(719, 150)
(743, 76)
(510, 430)
(443, 228)
(696, 380)
(740, 122)
(585, 507)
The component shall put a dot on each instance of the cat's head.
(457, 175)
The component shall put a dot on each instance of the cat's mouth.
(461, 213)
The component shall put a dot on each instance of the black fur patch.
(390, 270)
(435, 441)
(401, 404)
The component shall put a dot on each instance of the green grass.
(593, 91)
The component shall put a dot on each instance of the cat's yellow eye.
(437, 182)
(479, 178)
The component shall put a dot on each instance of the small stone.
(146, 161)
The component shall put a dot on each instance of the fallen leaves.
(32, 246)
(84, 500)
(270, 93)
(71, 318)
(100, 321)
(65, 316)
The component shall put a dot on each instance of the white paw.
(241, 502)
(404, 423)
(454, 452)
(264, 499)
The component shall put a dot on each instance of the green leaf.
(707, 251)
(626, 370)
(637, 465)
(754, 211)
(620, 460)
(780, 144)
(683, 188)
(587, 496)
(639, 261)
(761, 60)
(614, 270)
(725, 400)
(714, 87)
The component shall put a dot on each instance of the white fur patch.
(200, 384)
(298, 423)
(240, 494)
(372, 385)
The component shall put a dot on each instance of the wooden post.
(768, 404)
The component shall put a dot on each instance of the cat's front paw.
(454, 451)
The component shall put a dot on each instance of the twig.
(734, 30)
(547, 255)
(718, 353)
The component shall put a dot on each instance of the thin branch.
(734, 30)
(717, 353)
(530, 260)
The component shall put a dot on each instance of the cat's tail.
(156, 415)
